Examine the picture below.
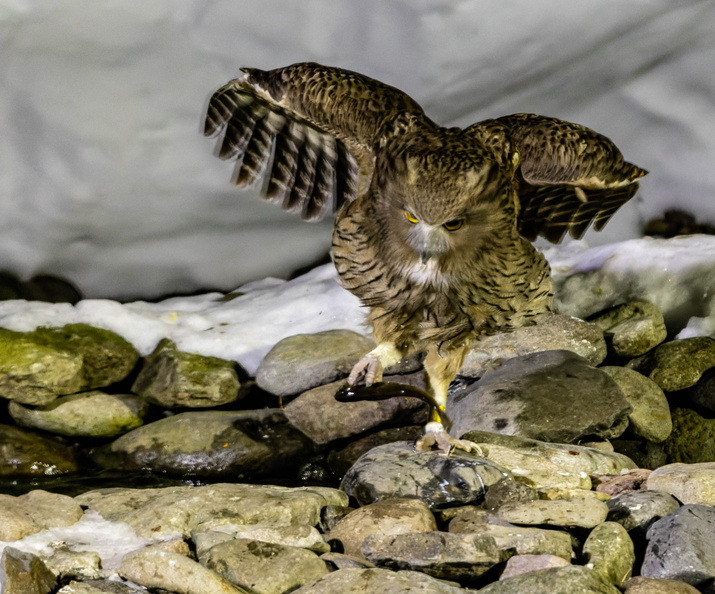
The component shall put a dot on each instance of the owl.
(433, 225)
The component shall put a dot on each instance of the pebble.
(690, 483)
(217, 530)
(609, 551)
(211, 444)
(634, 328)
(521, 564)
(639, 509)
(643, 585)
(551, 396)
(397, 470)
(551, 332)
(692, 439)
(650, 418)
(677, 364)
(387, 517)
(584, 513)
(173, 379)
(573, 579)
(303, 361)
(384, 581)
(614, 484)
(338, 420)
(681, 546)
(87, 414)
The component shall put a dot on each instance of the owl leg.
(369, 369)
(441, 370)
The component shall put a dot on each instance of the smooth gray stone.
(574, 579)
(635, 509)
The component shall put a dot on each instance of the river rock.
(609, 552)
(690, 483)
(303, 361)
(634, 328)
(68, 564)
(582, 512)
(551, 332)
(551, 396)
(650, 418)
(506, 490)
(681, 546)
(211, 443)
(153, 567)
(397, 470)
(444, 555)
(692, 439)
(88, 414)
(107, 358)
(35, 511)
(384, 581)
(677, 364)
(34, 373)
(614, 484)
(520, 564)
(574, 579)
(338, 420)
(643, 585)
(702, 394)
(645, 454)
(262, 567)
(24, 453)
(568, 457)
(99, 587)
(390, 516)
(154, 513)
(24, 573)
(172, 378)
(639, 509)
(220, 529)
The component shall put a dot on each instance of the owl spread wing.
(320, 125)
(570, 175)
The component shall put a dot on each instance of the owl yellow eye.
(410, 217)
(453, 225)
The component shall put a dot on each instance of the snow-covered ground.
(105, 178)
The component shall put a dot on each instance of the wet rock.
(154, 513)
(609, 552)
(303, 361)
(643, 585)
(681, 547)
(106, 357)
(444, 555)
(360, 581)
(639, 509)
(218, 530)
(584, 513)
(211, 443)
(522, 540)
(692, 439)
(390, 516)
(24, 453)
(262, 567)
(702, 394)
(88, 414)
(551, 396)
(172, 378)
(690, 483)
(614, 484)
(397, 470)
(634, 328)
(341, 460)
(677, 364)
(568, 457)
(507, 490)
(153, 567)
(68, 564)
(520, 564)
(339, 420)
(574, 579)
(551, 332)
(24, 573)
(650, 418)
(34, 373)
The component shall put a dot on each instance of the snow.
(106, 179)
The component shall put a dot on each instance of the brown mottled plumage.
(432, 223)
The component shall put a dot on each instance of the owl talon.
(437, 437)
(368, 370)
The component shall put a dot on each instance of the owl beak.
(433, 244)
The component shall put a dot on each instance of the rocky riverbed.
(156, 447)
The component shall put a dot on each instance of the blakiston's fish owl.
(432, 224)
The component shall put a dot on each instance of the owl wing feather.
(570, 175)
(315, 128)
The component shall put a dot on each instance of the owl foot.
(368, 370)
(437, 437)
